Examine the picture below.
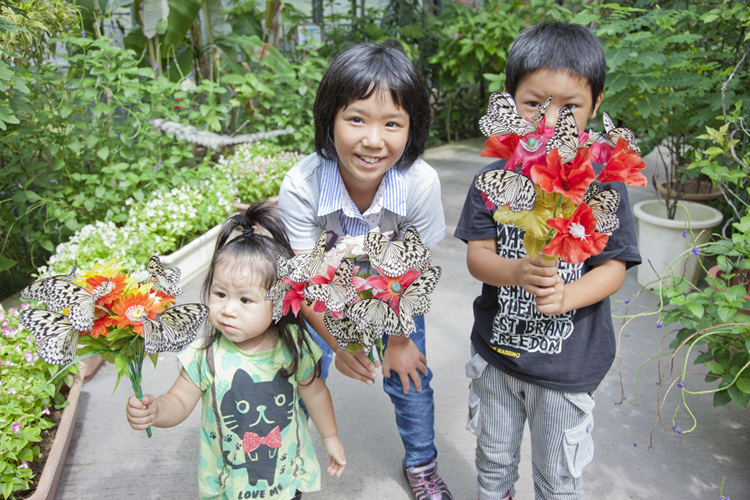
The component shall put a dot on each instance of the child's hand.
(336, 459)
(553, 304)
(403, 357)
(537, 277)
(358, 367)
(141, 414)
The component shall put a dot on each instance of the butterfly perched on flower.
(61, 294)
(613, 133)
(174, 328)
(374, 318)
(211, 139)
(394, 258)
(307, 264)
(339, 292)
(278, 290)
(604, 205)
(346, 332)
(415, 299)
(56, 337)
(506, 187)
(565, 139)
(38, 289)
(163, 278)
(502, 117)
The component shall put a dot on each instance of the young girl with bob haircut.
(372, 119)
(250, 374)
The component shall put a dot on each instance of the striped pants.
(560, 425)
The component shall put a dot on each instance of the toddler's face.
(370, 136)
(238, 308)
(564, 88)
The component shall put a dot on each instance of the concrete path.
(109, 460)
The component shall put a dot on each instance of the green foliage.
(667, 63)
(24, 412)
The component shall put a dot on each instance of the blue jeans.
(415, 411)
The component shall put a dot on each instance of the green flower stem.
(135, 368)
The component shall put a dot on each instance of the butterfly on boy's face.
(502, 117)
(566, 138)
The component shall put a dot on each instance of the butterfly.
(394, 258)
(56, 337)
(345, 332)
(604, 204)
(614, 133)
(502, 117)
(279, 289)
(60, 294)
(38, 289)
(211, 139)
(415, 299)
(164, 279)
(506, 187)
(174, 328)
(565, 138)
(374, 318)
(339, 292)
(307, 264)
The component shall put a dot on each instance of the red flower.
(624, 166)
(501, 146)
(487, 203)
(392, 288)
(319, 306)
(293, 298)
(569, 179)
(576, 239)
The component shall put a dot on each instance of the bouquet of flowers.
(549, 187)
(366, 286)
(107, 311)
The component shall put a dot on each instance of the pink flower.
(24, 465)
(601, 152)
(46, 410)
(293, 298)
(392, 288)
(25, 305)
(12, 390)
(4, 323)
(487, 203)
(16, 427)
(30, 357)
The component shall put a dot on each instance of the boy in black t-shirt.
(543, 337)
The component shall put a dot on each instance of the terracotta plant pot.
(692, 190)
(716, 272)
(47, 485)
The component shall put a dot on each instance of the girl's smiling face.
(370, 136)
(238, 308)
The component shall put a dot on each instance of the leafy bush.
(27, 400)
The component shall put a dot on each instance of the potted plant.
(37, 417)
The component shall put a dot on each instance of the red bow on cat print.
(251, 440)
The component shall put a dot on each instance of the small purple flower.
(681, 384)
(659, 324)
(83, 34)
(635, 444)
(676, 428)
(696, 252)
(624, 398)
(684, 233)
(161, 162)
(167, 66)
(627, 301)
(158, 169)
(156, 66)
(110, 25)
(16, 427)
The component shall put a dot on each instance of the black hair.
(356, 74)
(558, 47)
(258, 251)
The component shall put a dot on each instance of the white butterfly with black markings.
(56, 338)
(61, 294)
(502, 117)
(604, 205)
(307, 264)
(415, 300)
(506, 187)
(614, 133)
(394, 258)
(565, 139)
(174, 328)
(279, 289)
(339, 292)
(211, 139)
(165, 279)
(38, 289)
(345, 332)
(374, 318)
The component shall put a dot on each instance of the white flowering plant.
(256, 169)
(27, 404)
(160, 224)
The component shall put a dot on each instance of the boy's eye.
(533, 104)
(392, 125)
(356, 120)
(245, 300)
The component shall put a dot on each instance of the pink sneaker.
(425, 482)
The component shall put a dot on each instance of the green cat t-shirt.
(266, 450)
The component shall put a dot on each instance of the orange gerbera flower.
(569, 179)
(102, 322)
(115, 287)
(131, 309)
(576, 239)
(624, 166)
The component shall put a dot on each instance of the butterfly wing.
(374, 317)
(279, 289)
(164, 279)
(339, 292)
(307, 264)
(174, 328)
(37, 290)
(342, 330)
(415, 300)
(604, 205)
(502, 117)
(614, 133)
(565, 138)
(506, 187)
(394, 258)
(57, 339)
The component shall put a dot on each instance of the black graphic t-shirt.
(570, 352)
